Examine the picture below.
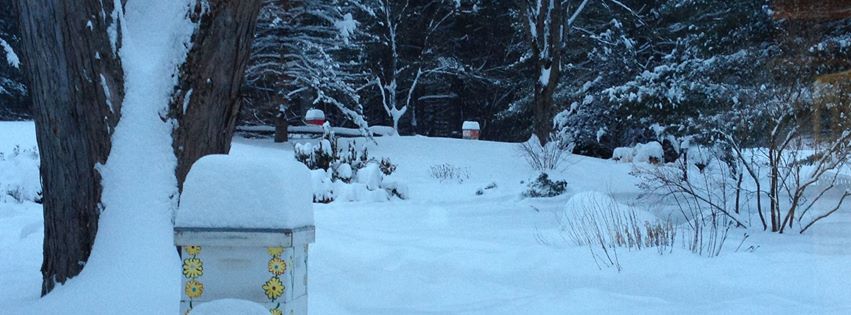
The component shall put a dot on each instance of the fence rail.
(315, 131)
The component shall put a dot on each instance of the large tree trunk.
(77, 88)
(206, 101)
(546, 44)
(76, 83)
(543, 106)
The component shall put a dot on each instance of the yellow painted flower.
(193, 250)
(193, 267)
(276, 311)
(275, 251)
(277, 266)
(273, 288)
(194, 289)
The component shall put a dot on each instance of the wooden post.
(281, 126)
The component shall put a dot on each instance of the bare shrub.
(707, 195)
(547, 156)
(784, 182)
(448, 172)
(604, 226)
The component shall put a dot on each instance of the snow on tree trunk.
(77, 101)
(126, 170)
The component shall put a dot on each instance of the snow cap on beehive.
(470, 125)
(223, 191)
(314, 117)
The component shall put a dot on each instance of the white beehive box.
(470, 130)
(243, 227)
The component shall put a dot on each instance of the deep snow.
(448, 251)
(268, 193)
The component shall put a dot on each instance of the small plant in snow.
(448, 172)
(543, 186)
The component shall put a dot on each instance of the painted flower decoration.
(193, 250)
(275, 251)
(276, 311)
(273, 288)
(193, 268)
(277, 266)
(194, 288)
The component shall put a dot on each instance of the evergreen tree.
(14, 98)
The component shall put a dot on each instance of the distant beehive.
(314, 117)
(471, 130)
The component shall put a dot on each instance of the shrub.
(347, 171)
(448, 172)
(386, 166)
(549, 156)
(603, 225)
(544, 187)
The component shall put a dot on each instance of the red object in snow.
(314, 117)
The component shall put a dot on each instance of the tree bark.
(210, 80)
(546, 45)
(77, 86)
(282, 133)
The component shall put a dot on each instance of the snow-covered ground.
(447, 250)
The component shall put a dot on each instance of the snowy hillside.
(447, 250)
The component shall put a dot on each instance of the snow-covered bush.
(543, 186)
(650, 152)
(19, 176)
(448, 172)
(323, 190)
(700, 157)
(386, 166)
(623, 154)
(347, 172)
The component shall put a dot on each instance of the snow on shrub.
(543, 186)
(623, 154)
(19, 176)
(700, 157)
(323, 190)
(347, 172)
(651, 153)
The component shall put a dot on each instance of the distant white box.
(471, 130)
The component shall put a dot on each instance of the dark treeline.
(625, 72)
